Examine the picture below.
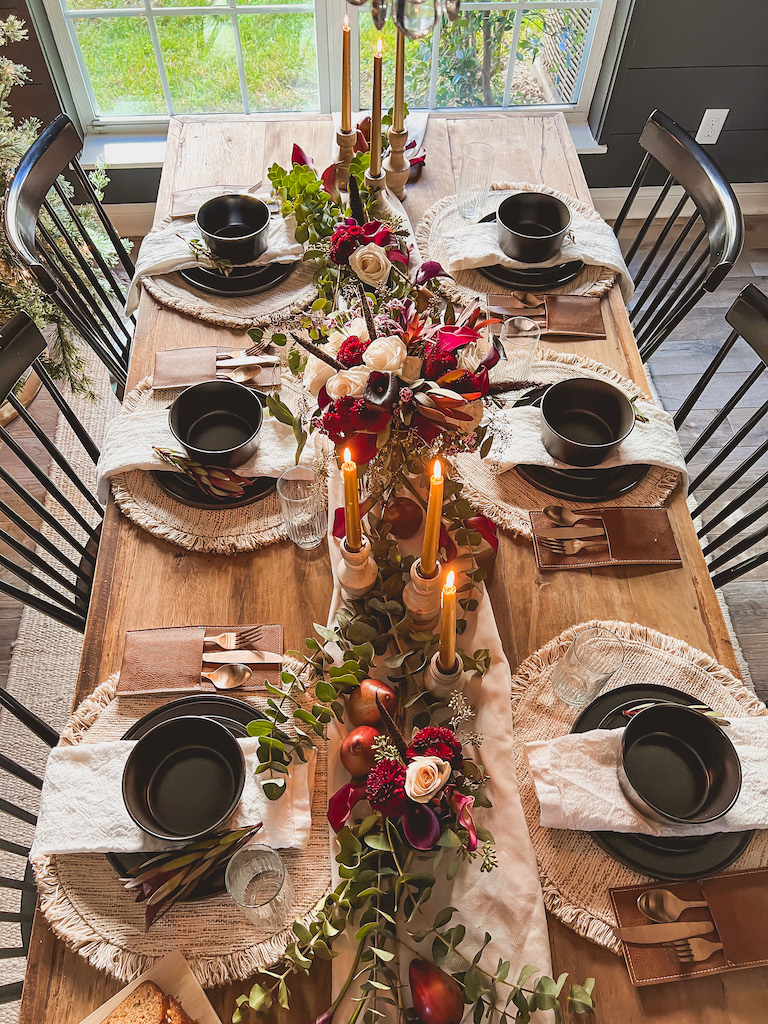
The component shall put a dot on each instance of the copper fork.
(570, 547)
(689, 951)
(237, 640)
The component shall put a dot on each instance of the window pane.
(199, 55)
(473, 61)
(551, 50)
(280, 62)
(101, 5)
(121, 63)
(418, 57)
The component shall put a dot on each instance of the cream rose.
(316, 373)
(347, 383)
(370, 263)
(426, 776)
(386, 354)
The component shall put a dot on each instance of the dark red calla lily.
(362, 446)
(298, 156)
(421, 826)
(446, 542)
(429, 270)
(328, 178)
(485, 527)
(462, 806)
(339, 525)
(343, 802)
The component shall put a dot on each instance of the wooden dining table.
(142, 581)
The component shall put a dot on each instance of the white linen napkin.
(82, 808)
(130, 438)
(590, 240)
(577, 783)
(166, 250)
(517, 441)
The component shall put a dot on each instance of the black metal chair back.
(49, 546)
(50, 238)
(692, 252)
(16, 781)
(722, 483)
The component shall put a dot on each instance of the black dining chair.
(675, 261)
(727, 489)
(52, 240)
(47, 546)
(18, 802)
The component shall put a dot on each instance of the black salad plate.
(593, 484)
(535, 279)
(186, 491)
(241, 280)
(672, 857)
(228, 711)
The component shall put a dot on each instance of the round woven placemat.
(227, 531)
(506, 497)
(87, 907)
(575, 873)
(467, 285)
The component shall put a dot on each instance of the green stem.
(348, 981)
(392, 846)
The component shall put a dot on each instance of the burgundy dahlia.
(344, 241)
(385, 788)
(437, 742)
(351, 351)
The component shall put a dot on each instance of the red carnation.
(437, 742)
(437, 362)
(385, 788)
(348, 416)
(351, 351)
(344, 241)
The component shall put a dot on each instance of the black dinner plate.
(680, 858)
(228, 711)
(240, 281)
(186, 491)
(534, 279)
(592, 484)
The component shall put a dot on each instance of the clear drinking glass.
(257, 880)
(303, 506)
(520, 338)
(595, 655)
(475, 181)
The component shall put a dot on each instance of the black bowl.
(184, 778)
(217, 422)
(583, 420)
(235, 228)
(531, 226)
(676, 764)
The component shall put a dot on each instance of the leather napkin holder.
(574, 315)
(738, 906)
(636, 536)
(170, 659)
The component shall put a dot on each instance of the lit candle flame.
(346, 22)
(378, 48)
(437, 472)
(449, 579)
(347, 455)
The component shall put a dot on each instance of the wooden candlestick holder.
(345, 142)
(422, 597)
(396, 165)
(375, 183)
(358, 571)
(440, 683)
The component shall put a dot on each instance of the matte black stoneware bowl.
(583, 420)
(234, 228)
(678, 765)
(183, 779)
(531, 226)
(217, 422)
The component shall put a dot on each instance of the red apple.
(404, 516)
(437, 997)
(361, 703)
(357, 752)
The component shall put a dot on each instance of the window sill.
(122, 151)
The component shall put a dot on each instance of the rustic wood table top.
(142, 581)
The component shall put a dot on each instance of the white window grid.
(328, 16)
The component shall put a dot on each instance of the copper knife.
(654, 934)
(243, 657)
(571, 532)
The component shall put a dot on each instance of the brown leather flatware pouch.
(635, 536)
(579, 316)
(170, 659)
(738, 907)
(183, 367)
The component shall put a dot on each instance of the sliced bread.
(145, 1005)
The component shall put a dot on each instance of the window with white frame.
(135, 62)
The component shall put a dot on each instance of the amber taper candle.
(351, 503)
(346, 78)
(432, 526)
(376, 114)
(447, 657)
(398, 113)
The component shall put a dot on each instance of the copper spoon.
(663, 906)
(229, 677)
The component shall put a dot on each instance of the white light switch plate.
(711, 125)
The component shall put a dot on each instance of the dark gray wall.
(684, 56)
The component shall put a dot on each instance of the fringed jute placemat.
(506, 497)
(575, 873)
(467, 285)
(87, 907)
(226, 531)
